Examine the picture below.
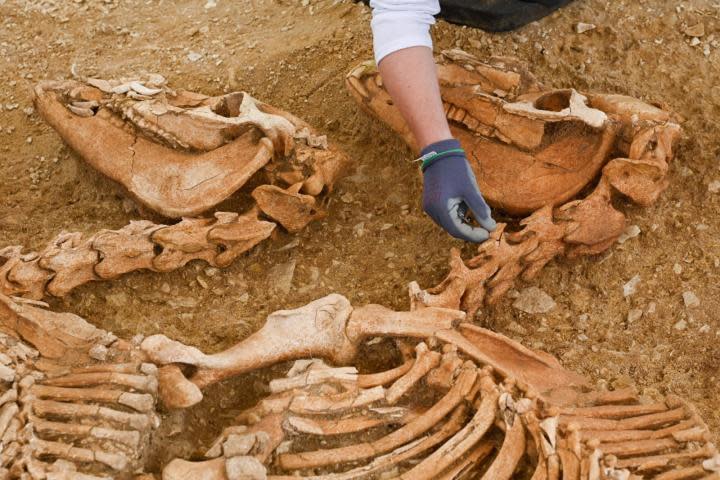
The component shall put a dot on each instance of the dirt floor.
(294, 54)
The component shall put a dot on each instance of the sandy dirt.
(294, 54)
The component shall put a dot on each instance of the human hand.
(450, 190)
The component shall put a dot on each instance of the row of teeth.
(459, 115)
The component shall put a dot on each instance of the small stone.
(281, 277)
(583, 320)
(28, 111)
(7, 374)
(236, 445)
(533, 300)
(651, 308)
(98, 352)
(704, 329)
(680, 326)
(582, 27)
(714, 186)
(516, 328)
(583, 338)
(201, 281)
(165, 288)
(359, 229)
(347, 197)
(691, 300)
(28, 140)
(630, 232)
(211, 271)
(245, 468)
(244, 297)
(210, 4)
(386, 226)
(677, 269)
(634, 315)
(631, 287)
(194, 56)
(697, 30)
(694, 42)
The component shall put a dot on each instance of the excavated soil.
(375, 238)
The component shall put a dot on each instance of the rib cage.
(466, 403)
(88, 422)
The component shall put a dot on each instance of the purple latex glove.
(450, 190)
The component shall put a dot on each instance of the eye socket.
(553, 101)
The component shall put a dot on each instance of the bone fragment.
(425, 361)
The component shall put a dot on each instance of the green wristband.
(432, 157)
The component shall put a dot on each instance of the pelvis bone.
(534, 150)
(181, 153)
(467, 403)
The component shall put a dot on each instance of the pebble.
(582, 27)
(194, 56)
(237, 445)
(631, 287)
(516, 328)
(98, 352)
(281, 277)
(690, 299)
(677, 269)
(630, 232)
(210, 4)
(704, 329)
(211, 271)
(244, 468)
(201, 282)
(634, 315)
(697, 30)
(7, 374)
(680, 326)
(534, 300)
(583, 338)
(714, 186)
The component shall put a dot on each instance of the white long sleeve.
(398, 24)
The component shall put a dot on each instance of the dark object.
(497, 15)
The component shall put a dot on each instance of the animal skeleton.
(534, 150)
(178, 153)
(78, 403)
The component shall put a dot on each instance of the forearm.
(403, 51)
(410, 77)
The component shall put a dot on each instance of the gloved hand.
(450, 189)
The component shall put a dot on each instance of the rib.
(140, 402)
(399, 437)
(134, 420)
(425, 361)
(383, 378)
(464, 440)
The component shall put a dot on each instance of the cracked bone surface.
(534, 150)
(63, 414)
(471, 404)
(181, 153)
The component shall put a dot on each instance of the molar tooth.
(458, 115)
(471, 122)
